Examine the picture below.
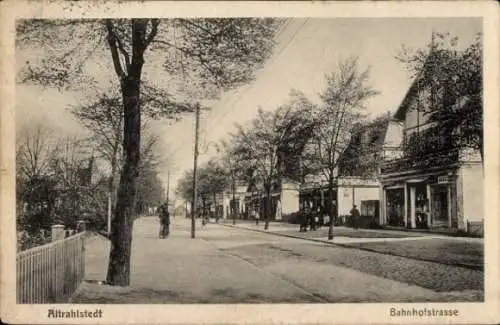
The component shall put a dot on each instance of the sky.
(306, 50)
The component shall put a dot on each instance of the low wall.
(475, 228)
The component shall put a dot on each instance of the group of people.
(314, 219)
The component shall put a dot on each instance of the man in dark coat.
(355, 216)
(312, 219)
(164, 221)
(302, 218)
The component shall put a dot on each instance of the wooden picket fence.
(51, 273)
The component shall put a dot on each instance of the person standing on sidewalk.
(312, 219)
(302, 220)
(319, 217)
(164, 221)
(355, 216)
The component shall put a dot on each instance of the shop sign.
(442, 179)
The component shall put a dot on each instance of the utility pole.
(168, 186)
(195, 182)
(234, 199)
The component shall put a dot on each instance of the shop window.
(395, 207)
(439, 204)
(421, 206)
(370, 208)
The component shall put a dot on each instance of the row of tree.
(60, 180)
(213, 179)
(199, 58)
(301, 138)
(296, 139)
(53, 184)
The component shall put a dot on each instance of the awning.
(416, 180)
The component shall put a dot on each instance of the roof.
(367, 139)
(412, 91)
(375, 132)
(403, 107)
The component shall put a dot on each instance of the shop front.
(424, 202)
(255, 203)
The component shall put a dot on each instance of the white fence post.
(81, 226)
(57, 232)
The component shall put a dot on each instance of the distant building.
(236, 205)
(432, 183)
(223, 205)
(284, 200)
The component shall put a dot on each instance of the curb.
(283, 235)
(463, 265)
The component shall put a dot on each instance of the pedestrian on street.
(319, 217)
(164, 221)
(355, 216)
(257, 217)
(312, 220)
(302, 221)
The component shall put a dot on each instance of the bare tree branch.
(112, 41)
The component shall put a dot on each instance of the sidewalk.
(457, 251)
(234, 265)
(179, 269)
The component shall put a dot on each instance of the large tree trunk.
(130, 82)
(115, 175)
(121, 227)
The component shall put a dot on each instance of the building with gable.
(357, 182)
(432, 182)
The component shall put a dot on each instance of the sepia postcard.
(191, 162)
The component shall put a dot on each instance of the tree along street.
(210, 55)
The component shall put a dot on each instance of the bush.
(27, 240)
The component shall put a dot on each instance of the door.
(439, 205)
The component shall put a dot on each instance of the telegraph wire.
(283, 28)
(238, 98)
(241, 95)
(233, 106)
